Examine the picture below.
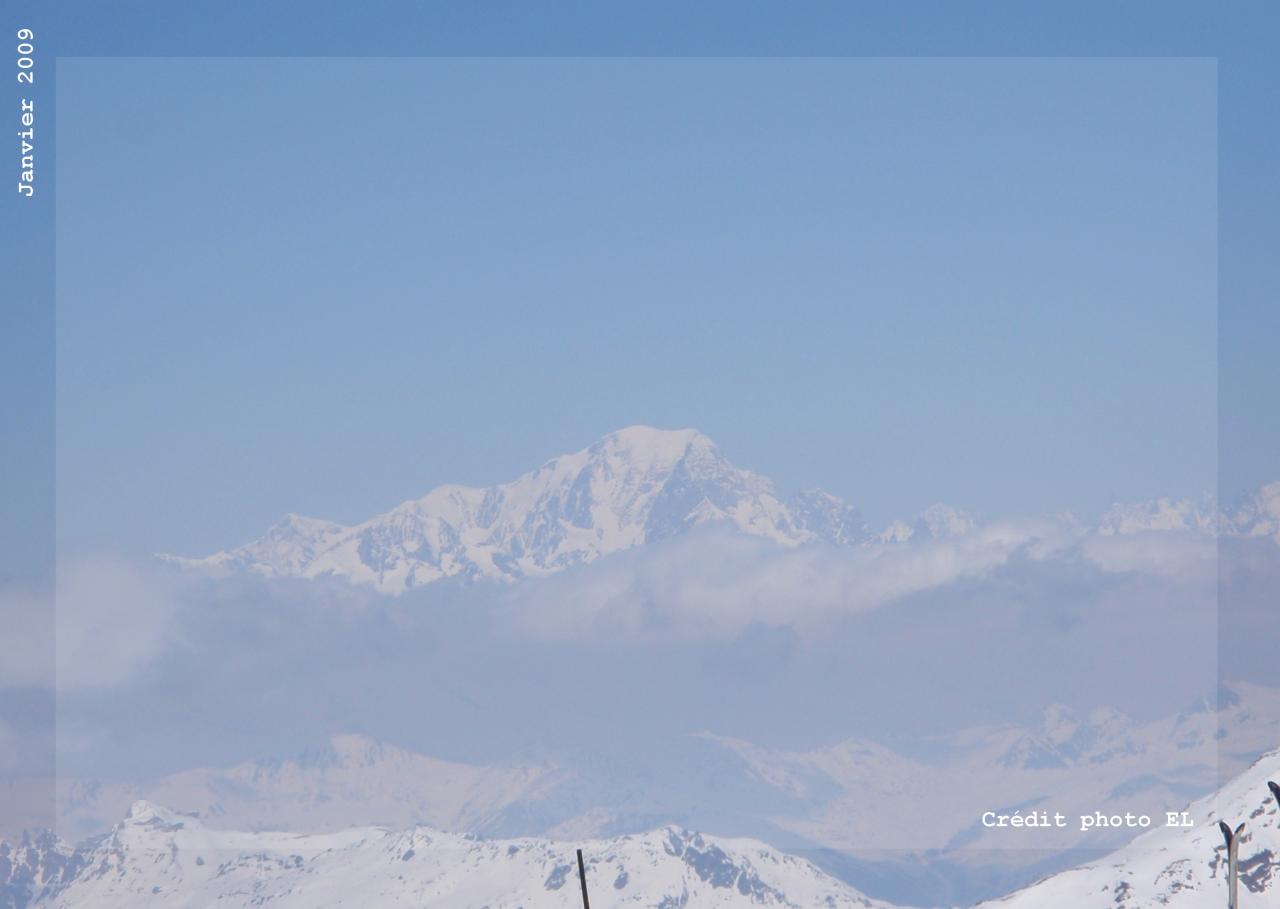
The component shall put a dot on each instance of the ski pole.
(582, 876)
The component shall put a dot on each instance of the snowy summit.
(635, 486)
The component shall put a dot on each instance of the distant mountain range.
(1104, 760)
(633, 487)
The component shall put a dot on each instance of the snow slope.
(1180, 868)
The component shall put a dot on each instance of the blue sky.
(326, 286)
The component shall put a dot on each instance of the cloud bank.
(711, 631)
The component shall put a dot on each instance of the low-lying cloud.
(158, 670)
(712, 585)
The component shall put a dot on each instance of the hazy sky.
(326, 286)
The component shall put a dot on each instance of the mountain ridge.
(159, 857)
(635, 486)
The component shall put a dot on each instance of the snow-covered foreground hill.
(1180, 868)
(159, 858)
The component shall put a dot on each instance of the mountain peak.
(636, 485)
(645, 447)
(645, 437)
(298, 523)
(1161, 514)
(943, 522)
(829, 518)
(937, 522)
(1258, 514)
(144, 813)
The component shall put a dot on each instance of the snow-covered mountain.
(937, 522)
(1160, 514)
(634, 486)
(1180, 867)
(160, 858)
(1258, 515)
(36, 863)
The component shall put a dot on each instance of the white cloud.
(113, 617)
(712, 630)
(713, 584)
(1174, 556)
